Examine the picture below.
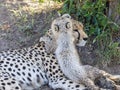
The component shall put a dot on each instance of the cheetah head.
(79, 34)
(65, 22)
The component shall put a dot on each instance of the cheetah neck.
(68, 57)
(66, 48)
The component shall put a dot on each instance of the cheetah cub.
(94, 73)
(66, 52)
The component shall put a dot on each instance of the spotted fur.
(32, 67)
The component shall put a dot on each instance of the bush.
(93, 14)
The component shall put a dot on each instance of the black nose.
(85, 39)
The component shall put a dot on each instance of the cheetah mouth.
(82, 43)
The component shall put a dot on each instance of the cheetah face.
(66, 23)
(61, 24)
(77, 30)
(79, 34)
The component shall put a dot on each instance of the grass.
(25, 15)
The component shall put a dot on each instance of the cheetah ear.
(59, 14)
(66, 15)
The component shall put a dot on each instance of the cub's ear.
(66, 15)
(59, 14)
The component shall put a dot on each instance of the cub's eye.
(68, 25)
(75, 30)
(56, 28)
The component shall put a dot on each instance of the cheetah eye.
(68, 25)
(56, 28)
(75, 30)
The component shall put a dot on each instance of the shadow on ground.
(23, 23)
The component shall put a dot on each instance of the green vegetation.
(93, 14)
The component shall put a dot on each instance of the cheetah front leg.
(65, 84)
(95, 73)
(115, 78)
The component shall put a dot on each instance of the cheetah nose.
(85, 39)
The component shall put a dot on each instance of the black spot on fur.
(7, 62)
(54, 67)
(28, 64)
(23, 73)
(8, 83)
(56, 71)
(3, 88)
(13, 82)
(38, 78)
(5, 65)
(16, 66)
(18, 69)
(13, 75)
(70, 82)
(18, 60)
(13, 59)
(1, 61)
(18, 73)
(8, 59)
(41, 75)
(50, 70)
(11, 64)
(5, 78)
(24, 67)
(21, 82)
(9, 69)
(33, 70)
(29, 79)
(53, 57)
(16, 87)
(77, 86)
(29, 74)
(63, 82)
(3, 84)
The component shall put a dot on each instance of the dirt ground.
(23, 22)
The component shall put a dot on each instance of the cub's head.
(62, 26)
(77, 30)
(66, 24)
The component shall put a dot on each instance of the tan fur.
(50, 42)
(93, 72)
(66, 52)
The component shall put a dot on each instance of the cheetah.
(30, 68)
(94, 73)
(50, 41)
(66, 52)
